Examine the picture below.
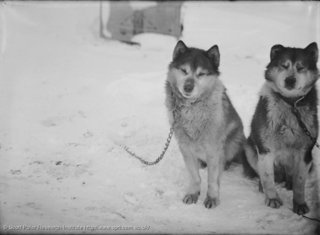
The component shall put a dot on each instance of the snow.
(69, 98)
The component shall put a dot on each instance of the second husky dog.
(207, 127)
(284, 127)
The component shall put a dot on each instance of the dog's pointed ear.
(179, 49)
(214, 55)
(275, 51)
(312, 49)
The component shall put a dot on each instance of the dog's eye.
(202, 74)
(183, 71)
(300, 68)
(285, 66)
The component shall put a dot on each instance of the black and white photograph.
(159, 117)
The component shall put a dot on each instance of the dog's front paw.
(211, 202)
(300, 209)
(273, 202)
(191, 198)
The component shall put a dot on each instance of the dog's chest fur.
(194, 119)
(283, 127)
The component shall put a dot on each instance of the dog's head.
(292, 72)
(193, 71)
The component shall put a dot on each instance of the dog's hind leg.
(266, 173)
(250, 160)
(233, 150)
(193, 166)
(300, 174)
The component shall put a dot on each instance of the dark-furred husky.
(279, 146)
(207, 127)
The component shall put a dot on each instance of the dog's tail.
(249, 160)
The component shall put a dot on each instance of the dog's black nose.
(188, 85)
(290, 82)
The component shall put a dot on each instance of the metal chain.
(309, 218)
(296, 112)
(166, 146)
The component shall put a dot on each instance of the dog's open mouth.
(187, 94)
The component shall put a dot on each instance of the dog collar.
(294, 101)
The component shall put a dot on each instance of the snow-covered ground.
(67, 98)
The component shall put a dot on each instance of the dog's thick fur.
(279, 149)
(207, 127)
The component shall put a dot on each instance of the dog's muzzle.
(188, 85)
(290, 82)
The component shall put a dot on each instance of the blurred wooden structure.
(125, 22)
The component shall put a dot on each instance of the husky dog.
(207, 128)
(279, 146)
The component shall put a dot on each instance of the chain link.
(148, 163)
